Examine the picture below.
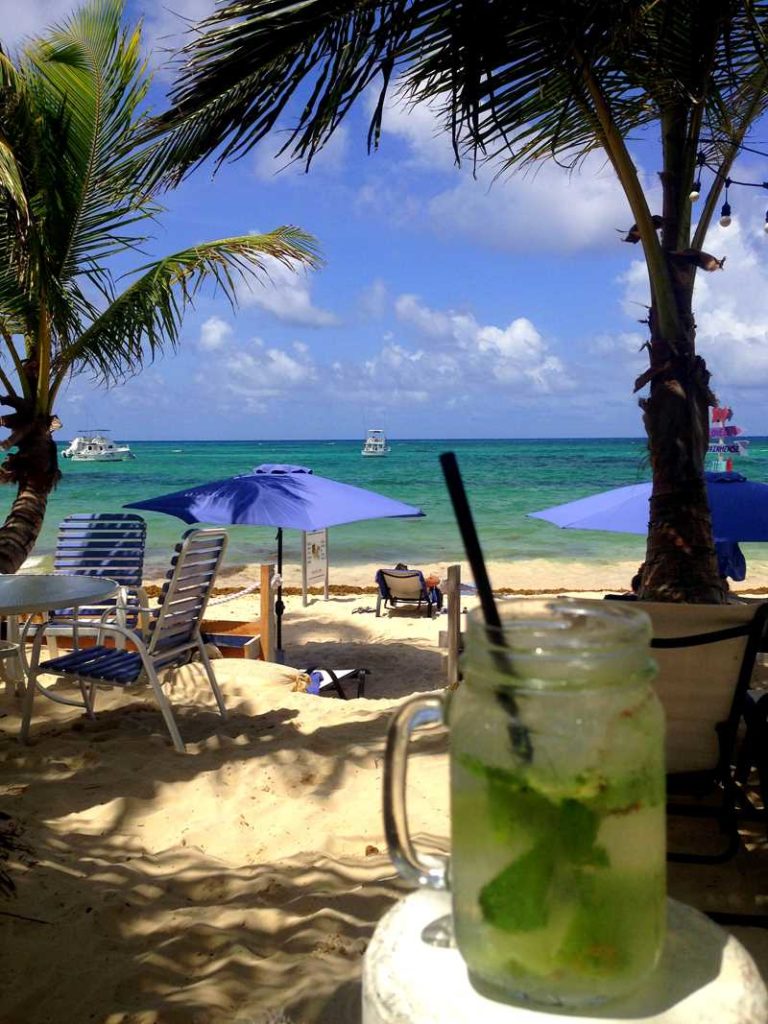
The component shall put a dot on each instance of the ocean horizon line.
(357, 440)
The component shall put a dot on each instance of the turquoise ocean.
(504, 478)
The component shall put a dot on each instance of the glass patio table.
(24, 594)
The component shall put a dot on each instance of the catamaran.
(375, 444)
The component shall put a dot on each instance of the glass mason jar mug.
(557, 868)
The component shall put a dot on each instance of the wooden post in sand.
(453, 597)
(267, 612)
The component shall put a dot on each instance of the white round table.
(705, 976)
(24, 594)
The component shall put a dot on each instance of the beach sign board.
(724, 440)
(314, 562)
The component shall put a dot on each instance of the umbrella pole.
(279, 606)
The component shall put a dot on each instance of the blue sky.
(447, 306)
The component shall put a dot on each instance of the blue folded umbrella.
(730, 560)
(739, 509)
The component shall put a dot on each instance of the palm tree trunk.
(680, 561)
(21, 528)
(34, 468)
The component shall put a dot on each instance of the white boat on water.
(375, 444)
(95, 446)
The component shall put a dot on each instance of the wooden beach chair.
(172, 638)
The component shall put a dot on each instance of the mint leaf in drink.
(599, 935)
(630, 790)
(520, 809)
(491, 771)
(514, 806)
(563, 835)
(516, 899)
(576, 834)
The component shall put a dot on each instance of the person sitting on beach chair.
(404, 584)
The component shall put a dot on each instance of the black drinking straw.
(463, 513)
(521, 740)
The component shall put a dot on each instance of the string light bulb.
(695, 192)
(725, 213)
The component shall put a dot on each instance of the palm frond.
(147, 315)
(88, 84)
(506, 78)
(248, 61)
(14, 198)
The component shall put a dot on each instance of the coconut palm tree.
(516, 83)
(73, 198)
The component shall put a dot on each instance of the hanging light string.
(739, 145)
(725, 212)
(701, 160)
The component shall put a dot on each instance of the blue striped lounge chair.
(172, 638)
(104, 544)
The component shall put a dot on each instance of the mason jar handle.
(430, 870)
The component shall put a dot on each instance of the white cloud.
(286, 294)
(625, 343)
(167, 26)
(477, 355)
(20, 21)
(166, 23)
(421, 128)
(546, 211)
(454, 360)
(430, 322)
(147, 391)
(256, 377)
(541, 209)
(373, 300)
(270, 167)
(443, 358)
(214, 334)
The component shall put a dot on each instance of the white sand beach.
(523, 576)
(241, 882)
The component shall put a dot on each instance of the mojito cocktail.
(557, 819)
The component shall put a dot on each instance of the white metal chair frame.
(174, 636)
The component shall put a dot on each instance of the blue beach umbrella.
(739, 509)
(286, 497)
